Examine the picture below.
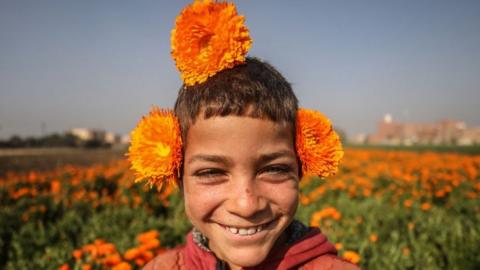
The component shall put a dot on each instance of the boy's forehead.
(221, 123)
(244, 129)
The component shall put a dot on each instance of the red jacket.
(312, 252)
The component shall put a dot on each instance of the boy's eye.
(276, 169)
(210, 174)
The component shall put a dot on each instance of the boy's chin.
(246, 257)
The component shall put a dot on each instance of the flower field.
(383, 210)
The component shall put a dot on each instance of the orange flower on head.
(318, 145)
(208, 37)
(155, 152)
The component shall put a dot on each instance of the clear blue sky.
(102, 64)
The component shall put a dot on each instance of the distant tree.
(70, 140)
(15, 141)
(342, 134)
(52, 140)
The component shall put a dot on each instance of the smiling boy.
(240, 177)
(239, 163)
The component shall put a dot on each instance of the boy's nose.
(245, 199)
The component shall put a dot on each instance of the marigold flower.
(77, 254)
(304, 200)
(351, 256)
(477, 186)
(155, 152)
(318, 145)
(64, 267)
(408, 203)
(112, 260)
(373, 238)
(132, 254)
(328, 212)
(151, 244)
(140, 262)
(56, 186)
(208, 37)
(106, 249)
(425, 206)
(147, 236)
(122, 266)
(411, 226)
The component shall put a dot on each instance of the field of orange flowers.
(383, 210)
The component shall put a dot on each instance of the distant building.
(94, 137)
(125, 139)
(112, 138)
(469, 136)
(83, 134)
(442, 132)
(358, 139)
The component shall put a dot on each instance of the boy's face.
(240, 185)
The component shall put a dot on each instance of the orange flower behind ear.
(318, 145)
(208, 37)
(155, 151)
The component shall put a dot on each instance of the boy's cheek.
(200, 201)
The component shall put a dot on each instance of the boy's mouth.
(246, 231)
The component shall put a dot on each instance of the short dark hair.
(255, 89)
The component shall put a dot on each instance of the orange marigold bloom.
(411, 226)
(373, 238)
(64, 267)
(147, 236)
(155, 152)
(77, 254)
(477, 186)
(151, 244)
(426, 206)
(408, 203)
(328, 212)
(318, 145)
(351, 256)
(122, 266)
(140, 262)
(132, 254)
(208, 37)
(55, 186)
(112, 260)
(106, 249)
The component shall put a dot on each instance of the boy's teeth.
(244, 231)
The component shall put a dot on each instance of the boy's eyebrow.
(210, 158)
(265, 158)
